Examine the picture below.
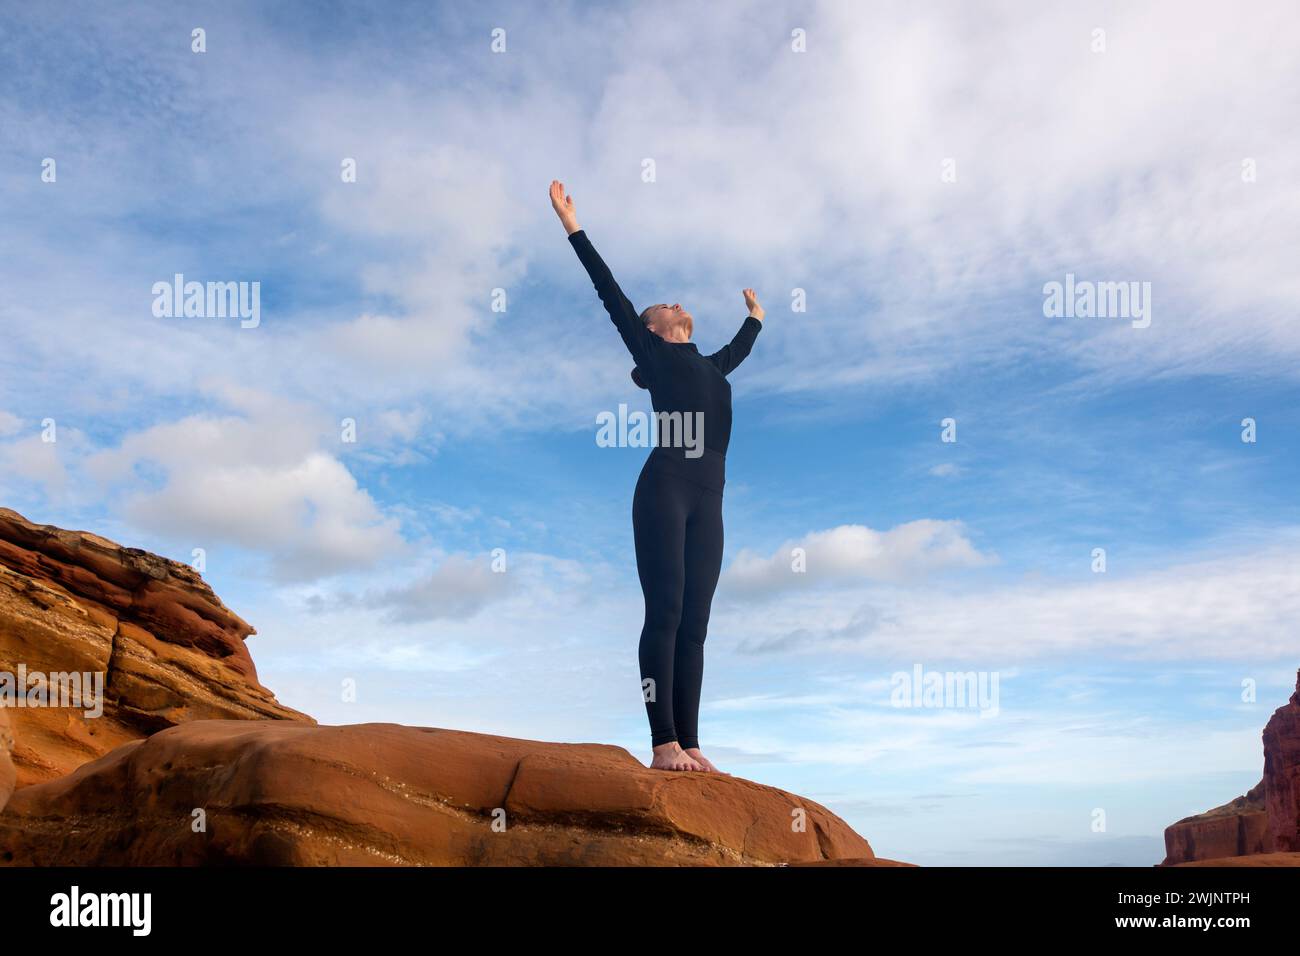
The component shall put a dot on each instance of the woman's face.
(670, 322)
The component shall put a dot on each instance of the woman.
(677, 507)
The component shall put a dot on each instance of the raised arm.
(734, 352)
(638, 339)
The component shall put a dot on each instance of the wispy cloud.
(855, 553)
(1234, 606)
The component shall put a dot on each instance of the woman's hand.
(751, 300)
(563, 206)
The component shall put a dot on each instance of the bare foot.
(704, 762)
(670, 756)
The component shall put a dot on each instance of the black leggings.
(677, 524)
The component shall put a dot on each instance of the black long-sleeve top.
(679, 378)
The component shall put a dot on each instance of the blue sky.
(818, 171)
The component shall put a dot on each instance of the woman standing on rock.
(677, 506)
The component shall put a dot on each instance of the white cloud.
(403, 424)
(264, 480)
(856, 553)
(460, 587)
(37, 461)
(453, 588)
(1234, 606)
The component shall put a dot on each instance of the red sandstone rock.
(1234, 829)
(1282, 773)
(1263, 823)
(7, 775)
(282, 792)
(168, 649)
(855, 861)
(1255, 859)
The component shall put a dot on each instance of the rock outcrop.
(1282, 773)
(164, 647)
(287, 793)
(7, 775)
(1255, 859)
(1237, 828)
(1262, 826)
